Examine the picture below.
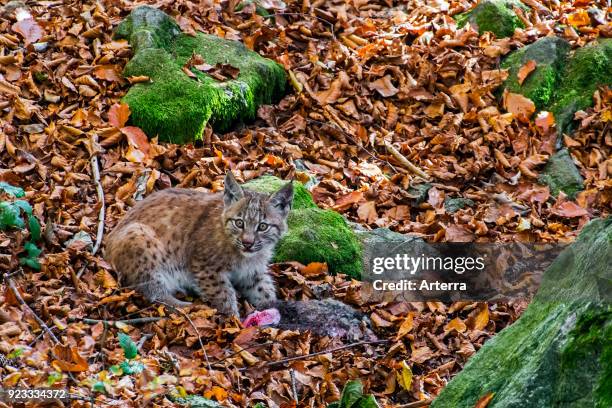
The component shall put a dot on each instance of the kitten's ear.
(233, 192)
(283, 198)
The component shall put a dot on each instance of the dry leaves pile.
(369, 78)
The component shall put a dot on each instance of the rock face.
(559, 353)
(177, 106)
(496, 16)
(315, 234)
(550, 54)
(563, 82)
(561, 174)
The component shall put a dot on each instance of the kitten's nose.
(247, 242)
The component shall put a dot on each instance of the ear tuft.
(233, 192)
(283, 198)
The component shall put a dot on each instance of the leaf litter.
(366, 75)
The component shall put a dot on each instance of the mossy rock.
(496, 16)
(559, 352)
(561, 174)
(550, 54)
(587, 69)
(177, 107)
(314, 234)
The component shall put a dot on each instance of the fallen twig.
(139, 320)
(318, 353)
(95, 171)
(186, 316)
(416, 404)
(40, 322)
(404, 161)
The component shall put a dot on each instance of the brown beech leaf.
(483, 402)
(384, 86)
(68, 359)
(29, 29)
(519, 106)
(118, 115)
(314, 269)
(545, 121)
(367, 212)
(525, 70)
(107, 73)
(569, 209)
(455, 324)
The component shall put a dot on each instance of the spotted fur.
(214, 246)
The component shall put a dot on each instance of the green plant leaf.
(367, 401)
(53, 378)
(24, 205)
(115, 369)
(10, 216)
(353, 390)
(11, 190)
(34, 226)
(32, 254)
(131, 367)
(129, 347)
(99, 387)
(18, 351)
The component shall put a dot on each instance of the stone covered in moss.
(269, 184)
(561, 174)
(177, 107)
(559, 353)
(314, 235)
(496, 16)
(550, 54)
(588, 68)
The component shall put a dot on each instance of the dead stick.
(416, 404)
(139, 320)
(186, 316)
(318, 353)
(41, 323)
(405, 162)
(95, 169)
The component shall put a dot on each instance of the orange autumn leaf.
(525, 70)
(314, 269)
(217, 393)
(482, 318)
(519, 105)
(348, 200)
(579, 18)
(544, 121)
(406, 326)
(117, 298)
(273, 161)
(118, 115)
(137, 138)
(569, 209)
(107, 73)
(68, 359)
(455, 324)
(484, 400)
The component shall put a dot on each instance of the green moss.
(589, 67)
(550, 54)
(317, 235)
(496, 16)
(177, 107)
(269, 184)
(561, 174)
(557, 353)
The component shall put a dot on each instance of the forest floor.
(364, 74)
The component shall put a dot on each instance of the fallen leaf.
(384, 86)
(314, 269)
(519, 105)
(525, 70)
(68, 359)
(118, 115)
(406, 326)
(579, 18)
(455, 324)
(29, 29)
(569, 209)
(483, 402)
(404, 377)
(367, 212)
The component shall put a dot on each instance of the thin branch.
(416, 404)
(294, 387)
(40, 322)
(186, 316)
(404, 161)
(318, 353)
(139, 320)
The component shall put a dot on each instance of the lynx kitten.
(209, 245)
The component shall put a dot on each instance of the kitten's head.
(255, 221)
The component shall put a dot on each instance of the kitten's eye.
(262, 227)
(239, 223)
